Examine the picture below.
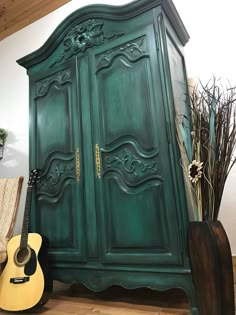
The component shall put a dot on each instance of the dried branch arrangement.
(211, 152)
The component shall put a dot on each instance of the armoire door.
(136, 206)
(56, 150)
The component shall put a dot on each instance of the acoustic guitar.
(25, 281)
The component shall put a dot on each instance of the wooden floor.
(77, 300)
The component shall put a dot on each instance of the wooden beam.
(28, 14)
(3, 2)
(15, 11)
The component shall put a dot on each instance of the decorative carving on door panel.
(58, 171)
(83, 36)
(61, 77)
(132, 50)
(131, 164)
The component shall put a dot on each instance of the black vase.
(211, 266)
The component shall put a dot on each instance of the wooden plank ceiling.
(16, 14)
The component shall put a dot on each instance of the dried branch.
(213, 139)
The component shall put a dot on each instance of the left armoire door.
(56, 150)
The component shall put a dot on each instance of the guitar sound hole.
(22, 256)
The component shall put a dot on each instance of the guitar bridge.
(19, 280)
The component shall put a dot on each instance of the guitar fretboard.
(25, 226)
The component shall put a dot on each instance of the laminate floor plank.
(78, 300)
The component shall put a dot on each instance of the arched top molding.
(116, 13)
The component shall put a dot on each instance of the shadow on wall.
(15, 163)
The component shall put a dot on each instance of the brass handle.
(98, 161)
(77, 161)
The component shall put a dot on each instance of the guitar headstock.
(34, 177)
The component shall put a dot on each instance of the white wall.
(211, 50)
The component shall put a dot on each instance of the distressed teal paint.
(103, 78)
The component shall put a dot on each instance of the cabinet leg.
(193, 305)
(192, 301)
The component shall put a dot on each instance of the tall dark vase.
(212, 270)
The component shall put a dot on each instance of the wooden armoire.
(111, 200)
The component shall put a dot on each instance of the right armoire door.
(135, 203)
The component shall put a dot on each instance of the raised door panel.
(55, 150)
(136, 205)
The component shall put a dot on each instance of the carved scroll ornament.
(83, 36)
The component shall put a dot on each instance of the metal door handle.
(98, 161)
(77, 162)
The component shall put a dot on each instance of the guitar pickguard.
(31, 265)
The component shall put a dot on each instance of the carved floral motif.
(58, 172)
(60, 77)
(131, 164)
(83, 36)
(132, 50)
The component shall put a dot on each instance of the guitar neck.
(25, 226)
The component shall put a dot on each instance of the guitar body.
(22, 282)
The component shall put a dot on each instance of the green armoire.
(104, 90)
